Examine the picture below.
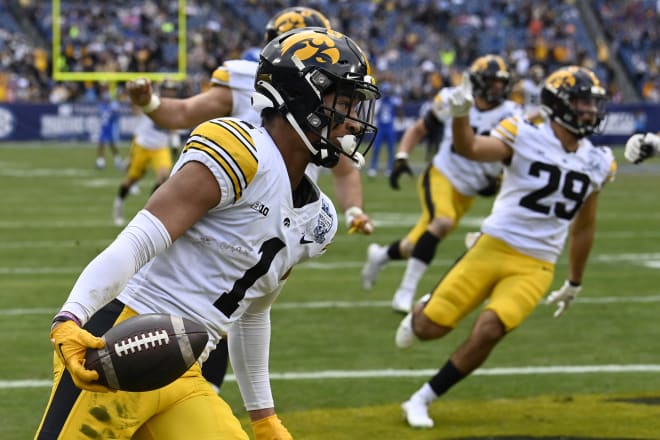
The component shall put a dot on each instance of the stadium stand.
(418, 45)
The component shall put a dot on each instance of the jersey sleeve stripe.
(220, 76)
(231, 148)
(507, 130)
(196, 143)
(236, 148)
(239, 131)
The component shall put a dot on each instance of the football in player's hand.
(147, 352)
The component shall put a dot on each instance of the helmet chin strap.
(348, 142)
(261, 101)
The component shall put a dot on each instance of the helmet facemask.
(353, 100)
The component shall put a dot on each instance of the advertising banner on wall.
(81, 122)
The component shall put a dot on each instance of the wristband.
(353, 211)
(65, 316)
(154, 103)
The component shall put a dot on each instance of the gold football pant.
(438, 198)
(141, 158)
(513, 284)
(188, 408)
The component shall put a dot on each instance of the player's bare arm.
(582, 236)
(413, 136)
(184, 198)
(180, 113)
(476, 147)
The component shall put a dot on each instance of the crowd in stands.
(416, 45)
(633, 31)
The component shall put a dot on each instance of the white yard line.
(391, 373)
(283, 305)
(649, 260)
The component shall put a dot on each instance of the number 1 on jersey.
(228, 301)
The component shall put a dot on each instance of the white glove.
(640, 147)
(461, 99)
(358, 221)
(563, 297)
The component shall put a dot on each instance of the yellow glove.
(70, 343)
(270, 428)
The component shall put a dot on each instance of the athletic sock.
(447, 377)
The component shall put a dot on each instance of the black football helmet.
(294, 18)
(483, 72)
(560, 91)
(300, 67)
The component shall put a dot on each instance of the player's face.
(346, 115)
(587, 109)
(495, 86)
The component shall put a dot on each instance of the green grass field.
(594, 373)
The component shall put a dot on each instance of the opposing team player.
(215, 244)
(552, 178)
(450, 184)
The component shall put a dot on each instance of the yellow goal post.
(113, 77)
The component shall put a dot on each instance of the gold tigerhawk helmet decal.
(481, 63)
(298, 19)
(308, 45)
(566, 78)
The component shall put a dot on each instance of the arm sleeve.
(249, 347)
(107, 274)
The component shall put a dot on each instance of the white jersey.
(242, 249)
(239, 76)
(543, 188)
(149, 135)
(468, 176)
(531, 92)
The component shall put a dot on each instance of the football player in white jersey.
(230, 95)
(550, 185)
(450, 184)
(640, 147)
(150, 147)
(215, 244)
(527, 91)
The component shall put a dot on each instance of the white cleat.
(405, 335)
(120, 164)
(117, 212)
(374, 264)
(402, 301)
(416, 414)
